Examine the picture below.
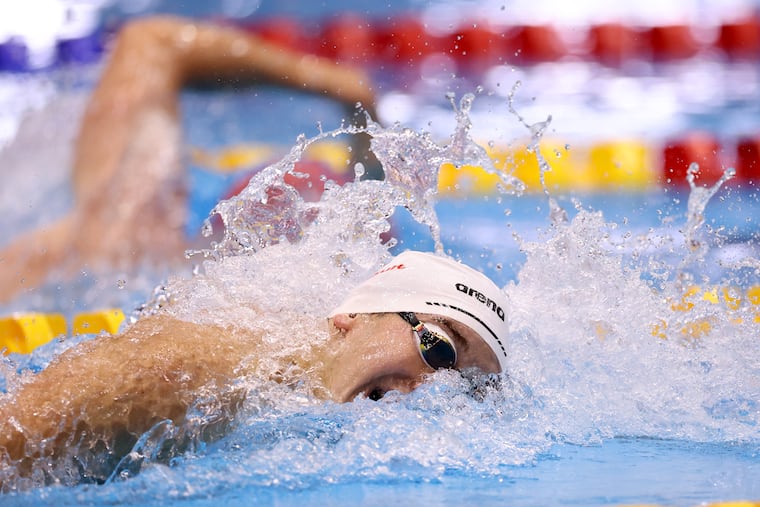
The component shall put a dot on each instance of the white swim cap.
(428, 283)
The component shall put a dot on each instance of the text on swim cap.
(481, 298)
(390, 268)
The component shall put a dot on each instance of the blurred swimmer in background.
(128, 179)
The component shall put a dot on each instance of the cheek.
(383, 354)
(380, 356)
(392, 355)
(390, 345)
(368, 357)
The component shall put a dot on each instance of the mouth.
(374, 393)
(376, 388)
(368, 390)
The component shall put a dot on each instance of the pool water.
(596, 409)
(607, 399)
(621, 471)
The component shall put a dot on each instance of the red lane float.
(613, 43)
(713, 158)
(348, 38)
(748, 160)
(671, 42)
(477, 44)
(696, 147)
(283, 31)
(534, 43)
(404, 39)
(740, 40)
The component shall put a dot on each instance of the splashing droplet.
(359, 171)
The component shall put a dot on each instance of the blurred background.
(658, 80)
(635, 92)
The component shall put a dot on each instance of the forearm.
(231, 55)
(154, 57)
(110, 391)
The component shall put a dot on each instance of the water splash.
(537, 130)
(699, 197)
(596, 351)
(593, 337)
(269, 211)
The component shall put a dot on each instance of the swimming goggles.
(436, 348)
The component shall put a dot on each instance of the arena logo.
(481, 298)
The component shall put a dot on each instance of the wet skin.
(105, 393)
(127, 168)
(377, 353)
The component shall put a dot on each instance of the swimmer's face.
(372, 354)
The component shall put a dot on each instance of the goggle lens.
(435, 346)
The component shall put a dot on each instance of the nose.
(344, 321)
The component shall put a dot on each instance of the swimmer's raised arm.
(154, 57)
(127, 169)
(97, 399)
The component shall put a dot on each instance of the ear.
(344, 321)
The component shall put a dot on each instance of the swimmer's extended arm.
(101, 396)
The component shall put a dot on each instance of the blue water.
(622, 471)
(475, 226)
(586, 422)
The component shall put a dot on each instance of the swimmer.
(420, 313)
(127, 171)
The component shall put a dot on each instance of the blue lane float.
(44, 34)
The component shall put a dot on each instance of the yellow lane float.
(233, 158)
(617, 164)
(737, 304)
(611, 165)
(23, 332)
(243, 157)
(103, 321)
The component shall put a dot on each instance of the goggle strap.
(426, 337)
